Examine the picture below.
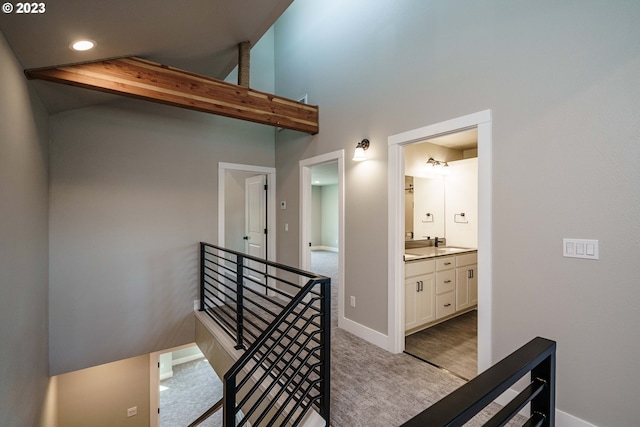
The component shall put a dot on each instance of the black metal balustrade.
(537, 357)
(281, 316)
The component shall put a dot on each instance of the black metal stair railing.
(537, 357)
(281, 316)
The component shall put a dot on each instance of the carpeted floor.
(193, 388)
(451, 345)
(370, 387)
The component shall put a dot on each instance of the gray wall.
(563, 82)
(23, 248)
(324, 215)
(133, 189)
(330, 216)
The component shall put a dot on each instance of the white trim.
(187, 359)
(395, 322)
(271, 202)
(325, 248)
(563, 419)
(305, 218)
(364, 332)
(154, 382)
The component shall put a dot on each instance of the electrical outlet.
(353, 301)
(132, 411)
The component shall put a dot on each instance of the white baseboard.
(324, 248)
(361, 331)
(187, 359)
(563, 419)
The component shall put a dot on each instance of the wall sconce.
(362, 146)
(438, 165)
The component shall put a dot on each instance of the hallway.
(370, 387)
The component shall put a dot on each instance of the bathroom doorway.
(441, 207)
(397, 144)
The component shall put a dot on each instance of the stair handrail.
(538, 356)
(282, 376)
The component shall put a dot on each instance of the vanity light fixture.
(82, 45)
(362, 146)
(437, 163)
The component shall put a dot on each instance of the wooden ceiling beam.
(142, 79)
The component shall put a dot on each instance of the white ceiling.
(464, 140)
(200, 36)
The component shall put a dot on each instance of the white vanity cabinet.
(419, 287)
(466, 281)
(438, 288)
(445, 287)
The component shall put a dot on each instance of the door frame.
(305, 217)
(271, 202)
(396, 144)
(154, 381)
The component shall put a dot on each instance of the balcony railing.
(537, 357)
(281, 316)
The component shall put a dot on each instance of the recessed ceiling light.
(82, 45)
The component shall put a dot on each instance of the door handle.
(245, 238)
(421, 286)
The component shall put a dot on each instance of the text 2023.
(30, 8)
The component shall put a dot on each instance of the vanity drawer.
(466, 259)
(445, 281)
(415, 268)
(445, 304)
(444, 263)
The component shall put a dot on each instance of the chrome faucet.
(437, 241)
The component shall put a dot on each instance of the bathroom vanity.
(440, 283)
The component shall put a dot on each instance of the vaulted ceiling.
(200, 36)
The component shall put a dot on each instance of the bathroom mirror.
(424, 207)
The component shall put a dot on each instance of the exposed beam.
(244, 64)
(142, 79)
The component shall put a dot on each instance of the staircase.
(264, 327)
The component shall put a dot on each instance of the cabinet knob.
(447, 281)
(447, 305)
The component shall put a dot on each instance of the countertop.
(415, 254)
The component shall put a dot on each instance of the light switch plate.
(580, 248)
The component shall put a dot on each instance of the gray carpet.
(192, 390)
(370, 387)
(451, 345)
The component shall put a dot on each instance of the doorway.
(251, 190)
(322, 222)
(441, 203)
(183, 387)
(397, 143)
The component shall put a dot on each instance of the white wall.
(23, 250)
(562, 80)
(461, 196)
(133, 190)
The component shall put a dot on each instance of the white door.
(255, 228)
